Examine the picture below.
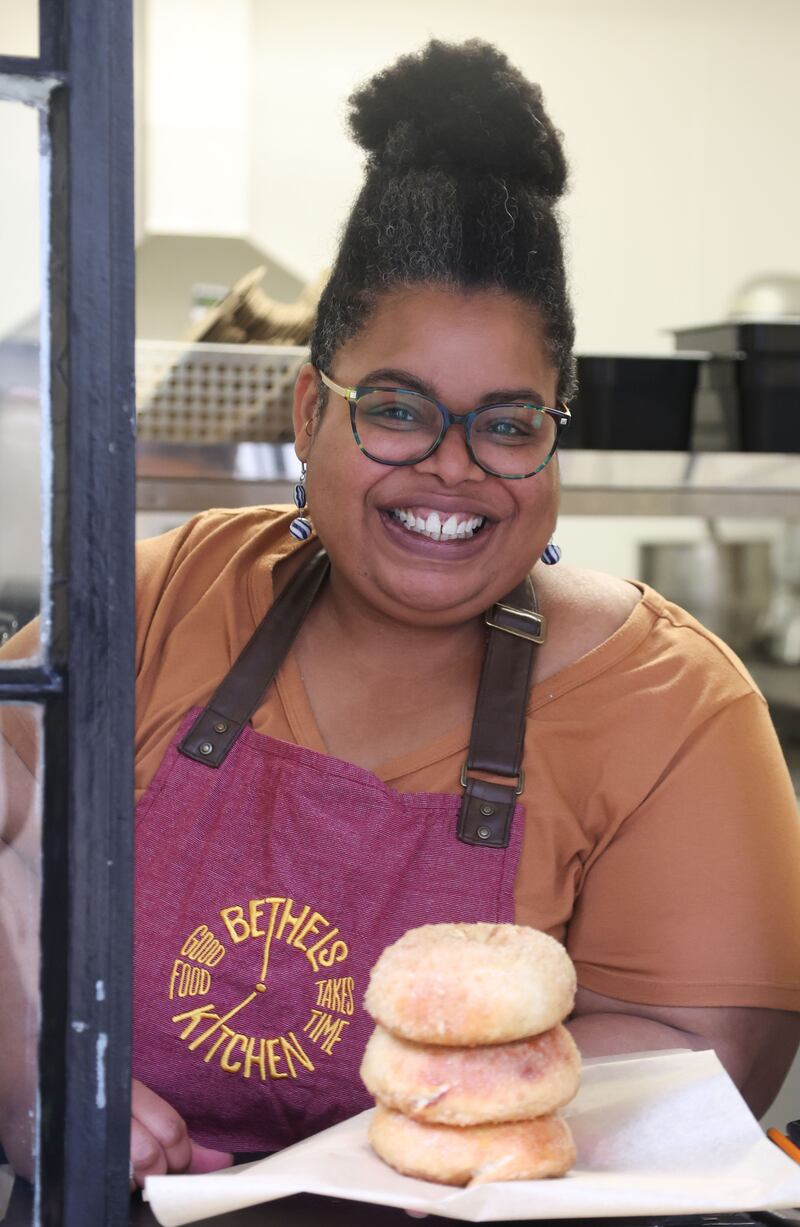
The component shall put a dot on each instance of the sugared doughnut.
(471, 984)
(477, 1154)
(470, 1086)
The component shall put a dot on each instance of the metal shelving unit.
(191, 477)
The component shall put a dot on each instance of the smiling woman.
(464, 348)
(622, 790)
(385, 711)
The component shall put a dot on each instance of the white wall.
(20, 259)
(678, 115)
(19, 201)
(679, 118)
(197, 116)
(19, 27)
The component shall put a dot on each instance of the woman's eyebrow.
(502, 396)
(398, 378)
(404, 379)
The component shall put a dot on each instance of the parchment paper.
(663, 1133)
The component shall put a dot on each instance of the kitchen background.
(680, 124)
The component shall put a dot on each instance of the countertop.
(308, 1211)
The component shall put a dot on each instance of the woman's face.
(461, 349)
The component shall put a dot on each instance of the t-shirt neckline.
(302, 722)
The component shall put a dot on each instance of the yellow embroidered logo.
(268, 921)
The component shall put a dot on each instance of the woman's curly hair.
(464, 171)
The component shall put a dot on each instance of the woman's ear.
(306, 400)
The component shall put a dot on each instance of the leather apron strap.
(498, 727)
(238, 695)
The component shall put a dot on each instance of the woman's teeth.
(439, 528)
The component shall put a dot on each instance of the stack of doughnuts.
(469, 1061)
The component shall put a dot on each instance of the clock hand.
(199, 1039)
(268, 941)
(260, 986)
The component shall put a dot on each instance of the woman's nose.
(451, 462)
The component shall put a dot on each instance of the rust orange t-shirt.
(662, 840)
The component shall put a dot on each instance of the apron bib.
(267, 885)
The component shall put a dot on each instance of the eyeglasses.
(399, 427)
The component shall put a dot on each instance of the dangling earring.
(300, 526)
(551, 554)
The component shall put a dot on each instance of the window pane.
(20, 416)
(20, 845)
(19, 27)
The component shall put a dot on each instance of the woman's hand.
(160, 1142)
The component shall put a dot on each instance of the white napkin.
(663, 1133)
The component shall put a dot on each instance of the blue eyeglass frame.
(561, 417)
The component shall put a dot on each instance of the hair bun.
(460, 106)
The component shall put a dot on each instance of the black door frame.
(82, 84)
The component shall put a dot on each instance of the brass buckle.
(537, 620)
(520, 787)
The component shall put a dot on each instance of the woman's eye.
(514, 429)
(400, 413)
(507, 428)
(392, 413)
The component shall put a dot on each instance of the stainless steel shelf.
(681, 483)
(189, 478)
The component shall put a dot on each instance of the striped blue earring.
(552, 554)
(300, 527)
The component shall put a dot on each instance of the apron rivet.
(205, 747)
(483, 832)
(487, 810)
(221, 727)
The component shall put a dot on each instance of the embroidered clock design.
(220, 1034)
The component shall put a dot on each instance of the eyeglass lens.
(401, 427)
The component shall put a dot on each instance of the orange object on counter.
(780, 1139)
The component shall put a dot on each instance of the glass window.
(20, 845)
(66, 223)
(19, 27)
(20, 416)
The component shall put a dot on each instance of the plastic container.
(634, 402)
(755, 379)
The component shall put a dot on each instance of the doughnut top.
(470, 945)
(471, 984)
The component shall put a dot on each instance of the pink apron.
(268, 880)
